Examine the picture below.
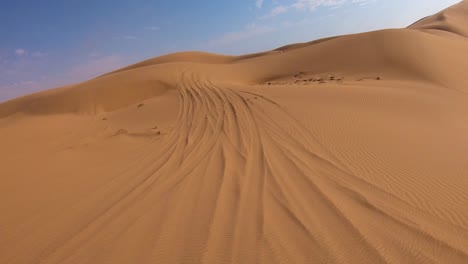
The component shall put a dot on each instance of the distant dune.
(351, 149)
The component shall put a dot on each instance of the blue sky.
(51, 43)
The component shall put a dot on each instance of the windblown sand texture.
(352, 149)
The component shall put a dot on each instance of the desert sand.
(352, 149)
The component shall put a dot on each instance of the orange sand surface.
(352, 149)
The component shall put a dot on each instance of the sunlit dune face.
(348, 149)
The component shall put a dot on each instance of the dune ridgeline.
(351, 149)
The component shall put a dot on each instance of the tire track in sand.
(240, 180)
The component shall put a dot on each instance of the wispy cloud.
(20, 72)
(310, 5)
(21, 87)
(249, 31)
(313, 4)
(93, 55)
(34, 54)
(38, 54)
(276, 11)
(95, 66)
(13, 86)
(152, 28)
(362, 2)
(21, 52)
(259, 3)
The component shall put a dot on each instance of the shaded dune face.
(310, 153)
(451, 20)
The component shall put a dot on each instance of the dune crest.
(351, 149)
(451, 20)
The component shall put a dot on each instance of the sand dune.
(350, 149)
(451, 20)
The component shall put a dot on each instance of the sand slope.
(350, 149)
(451, 20)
